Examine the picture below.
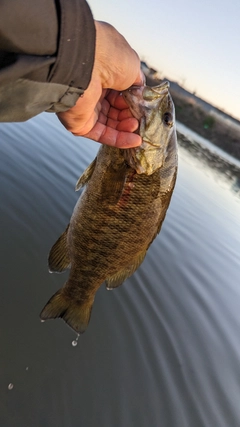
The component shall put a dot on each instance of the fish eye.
(167, 118)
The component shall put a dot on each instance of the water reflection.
(163, 349)
(226, 167)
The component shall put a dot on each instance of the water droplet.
(42, 321)
(109, 289)
(26, 368)
(75, 342)
(10, 386)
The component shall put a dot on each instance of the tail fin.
(75, 314)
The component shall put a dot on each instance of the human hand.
(102, 114)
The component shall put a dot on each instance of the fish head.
(154, 108)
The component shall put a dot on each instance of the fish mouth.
(164, 84)
(154, 92)
(144, 141)
(145, 93)
(134, 90)
(163, 87)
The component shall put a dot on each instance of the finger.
(113, 137)
(129, 140)
(124, 114)
(79, 129)
(102, 118)
(120, 139)
(112, 123)
(116, 100)
(105, 107)
(119, 115)
(113, 113)
(140, 80)
(128, 125)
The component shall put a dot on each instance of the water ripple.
(161, 350)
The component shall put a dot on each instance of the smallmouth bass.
(120, 212)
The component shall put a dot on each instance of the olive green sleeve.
(47, 52)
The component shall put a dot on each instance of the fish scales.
(119, 213)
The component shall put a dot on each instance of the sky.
(195, 43)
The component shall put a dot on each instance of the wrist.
(116, 63)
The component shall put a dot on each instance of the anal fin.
(118, 278)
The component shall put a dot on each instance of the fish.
(120, 211)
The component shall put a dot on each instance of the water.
(163, 350)
(75, 342)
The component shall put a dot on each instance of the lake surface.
(162, 350)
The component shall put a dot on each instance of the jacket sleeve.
(47, 52)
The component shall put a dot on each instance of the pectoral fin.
(84, 178)
(118, 278)
(113, 183)
(58, 259)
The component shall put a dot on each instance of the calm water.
(163, 350)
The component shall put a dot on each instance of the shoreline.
(193, 138)
(212, 156)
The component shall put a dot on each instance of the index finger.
(116, 100)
